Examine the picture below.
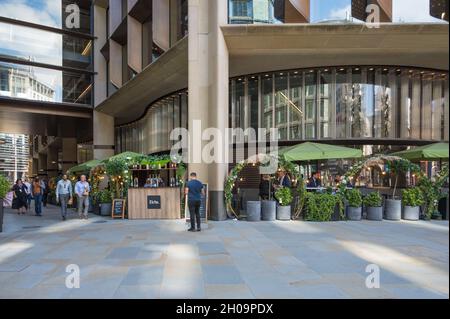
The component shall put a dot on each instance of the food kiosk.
(155, 192)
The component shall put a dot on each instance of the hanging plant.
(117, 170)
(263, 160)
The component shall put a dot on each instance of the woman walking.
(20, 197)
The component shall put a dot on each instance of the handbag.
(70, 201)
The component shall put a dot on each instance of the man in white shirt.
(82, 190)
(64, 194)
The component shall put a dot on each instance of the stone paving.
(231, 259)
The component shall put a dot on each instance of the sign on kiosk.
(154, 202)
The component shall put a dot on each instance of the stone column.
(103, 127)
(208, 94)
(69, 153)
(100, 78)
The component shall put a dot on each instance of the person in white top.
(82, 190)
(29, 196)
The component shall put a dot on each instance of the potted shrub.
(105, 200)
(284, 198)
(354, 208)
(4, 189)
(320, 207)
(412, 199)
(374, 206)
(393, 206)
(432, 192)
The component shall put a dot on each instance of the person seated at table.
(314, 180)
(148, 183)
(283, 179)
(265, 187)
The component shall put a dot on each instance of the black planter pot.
(253, 211)
(375, 213)
(269, 210)
(354, 213)
(1, 215)
(284, 212)
(411, 213)
(393, 209)
(105, 209)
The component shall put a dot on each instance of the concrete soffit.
(261, 48)
(166, 75)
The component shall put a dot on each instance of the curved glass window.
(344, 103)
(151, 134)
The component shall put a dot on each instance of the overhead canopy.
(314, 151)
(84, 168)
(126, 156)
(436, 151)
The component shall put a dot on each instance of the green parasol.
(84, 168)
(315, 151)
(430, 152)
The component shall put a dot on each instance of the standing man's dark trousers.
(194, 212)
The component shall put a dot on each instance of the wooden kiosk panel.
(154, 203)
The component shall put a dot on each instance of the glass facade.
(151, 134)
(322, 11)
(51, 13)
(344, 103)
(14, 152)
(41, 64)
(251, 11)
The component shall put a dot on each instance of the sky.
(41, 46)
(403, 10)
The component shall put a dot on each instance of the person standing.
(37, 195)
(194, 190)
(45, 192)
(283, 179)
(265, 187)
(64, 194)
(29, 192)
(19, 197)
(314, 181)
(82, 190)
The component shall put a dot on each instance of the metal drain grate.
(100, 222)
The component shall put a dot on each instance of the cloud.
(412, 11)
(29, 43)
(340, 13)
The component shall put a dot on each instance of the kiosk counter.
(154, 194)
